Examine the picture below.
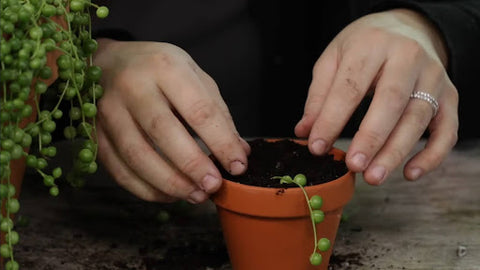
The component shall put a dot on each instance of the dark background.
(261, 53)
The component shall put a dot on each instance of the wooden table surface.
(429, 224)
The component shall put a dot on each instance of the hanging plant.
(46, 51)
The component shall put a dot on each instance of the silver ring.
(428, 98)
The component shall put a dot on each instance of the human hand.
(153, 91)
(393, 53)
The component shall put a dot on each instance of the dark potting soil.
(285, 157)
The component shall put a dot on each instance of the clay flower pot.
(271, 228)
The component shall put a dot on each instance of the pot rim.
(285, 202)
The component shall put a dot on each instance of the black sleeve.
(459, 23)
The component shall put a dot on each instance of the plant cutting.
(314, 204)
(46, 55)
(272, 224)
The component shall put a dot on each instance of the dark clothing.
(261, 53)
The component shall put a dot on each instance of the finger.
(322, 78)
(443, 136)
(185, 91)
(409, 129)
(143, 160)
(173, 139)
(391, 96)
(356, 72)
(215, 94)
(123, 175)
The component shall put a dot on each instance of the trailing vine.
(30, 30)
(314, 204)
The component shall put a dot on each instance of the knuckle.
(355, 92)
(437, 72)
(212, 85)
(169, 186)
(200, 113)
(316, 70)
(153, 196)
(174, 185)
(103, 108)
(354, 89)
(126, 82)
(314, 102)
(123, 78)
(133, 154)
(372, 139)
(454, 96)
(377, 34)
(192, 165)
(413, 49)
(208, 80)
(357, 62)
(219, 147)
(228, 117)
(158, 124)
(432, 158)
(317, 130)
(396, 155)
(421, 117)
(148, 197)
(452, 138)
(163, 60)
(172, 49)
(121, 177)
(395, 92)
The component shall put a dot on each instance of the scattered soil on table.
(345, 261)
(285, 157)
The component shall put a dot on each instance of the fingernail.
(237, 167)
(415, 173)
(359, 160)
(378, 173)
(210, 182)
(197, 196)
(318, 147)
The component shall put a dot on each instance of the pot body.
(271, 228)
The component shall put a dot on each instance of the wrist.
(426, 27)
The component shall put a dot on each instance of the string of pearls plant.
(29, 32)
(314, 204)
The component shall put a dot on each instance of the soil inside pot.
(285, 157)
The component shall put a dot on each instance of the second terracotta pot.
(270, 228)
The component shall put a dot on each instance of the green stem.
(4, 85)
(311, 217)
(283, 179)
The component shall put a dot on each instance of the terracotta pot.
(267, 229)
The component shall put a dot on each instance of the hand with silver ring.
(400, 55)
